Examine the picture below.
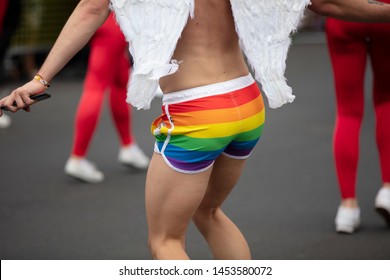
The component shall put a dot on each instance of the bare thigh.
(224, 176)
(172, 198)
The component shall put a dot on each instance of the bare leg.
(171, 201)
(224, 238)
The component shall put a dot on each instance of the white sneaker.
(84, 170)
(347, 219)
(382, 204)
(132, 155)
(5, 121)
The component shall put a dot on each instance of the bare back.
(208, 49)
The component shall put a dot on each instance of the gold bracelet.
(42, 80)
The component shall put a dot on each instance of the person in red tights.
(349, 45)
(108, 70)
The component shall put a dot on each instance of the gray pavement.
(285, 202)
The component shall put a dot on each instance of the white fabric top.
(153, 27)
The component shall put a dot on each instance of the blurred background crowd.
(31, 27)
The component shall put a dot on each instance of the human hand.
(20, 97)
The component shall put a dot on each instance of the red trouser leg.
(106, 62)
(120, 110)
(380, 56)
(348, 52)
(349, 44)
(3, 9)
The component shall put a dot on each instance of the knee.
(205, 216)
(154, 246)
(350, 110)
(164, 248)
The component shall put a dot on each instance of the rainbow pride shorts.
(199, 124)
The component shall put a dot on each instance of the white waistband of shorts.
(207, 90)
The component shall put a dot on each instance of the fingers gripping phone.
(37, 97)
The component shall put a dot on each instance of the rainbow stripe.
(192, 134)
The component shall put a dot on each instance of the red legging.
(3, 9)
(349, 45)
(108, 68)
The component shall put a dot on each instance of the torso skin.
(208, 49)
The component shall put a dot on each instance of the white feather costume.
(153, 28)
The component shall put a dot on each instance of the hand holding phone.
(36, 97)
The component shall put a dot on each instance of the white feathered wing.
(264, 28)
(152, 28)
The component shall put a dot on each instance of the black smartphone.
(37, 97)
